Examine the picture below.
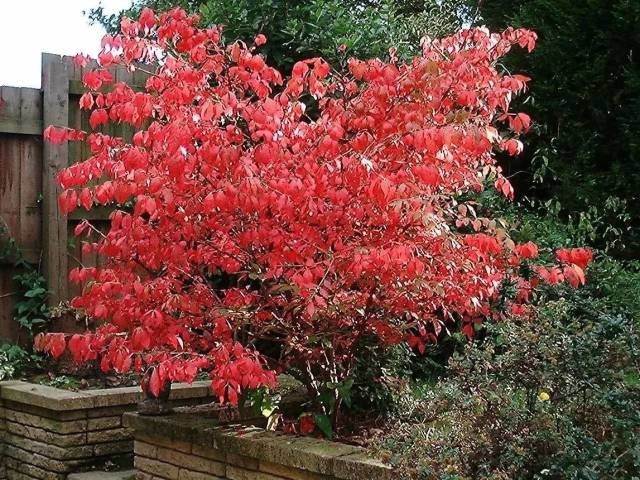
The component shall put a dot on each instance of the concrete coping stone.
(342, 461)
(51, 398)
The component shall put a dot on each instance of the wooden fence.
(28, 191)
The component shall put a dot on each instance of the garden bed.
(185, 446)
(47, 433)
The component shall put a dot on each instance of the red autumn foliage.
(307, 424)
(239, 219)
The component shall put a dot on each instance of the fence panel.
(20, 189)
(28, 191)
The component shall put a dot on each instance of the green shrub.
(381, 373)
(15, 360)
(554, 398)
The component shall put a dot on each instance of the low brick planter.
(188, 446)
(47, 433)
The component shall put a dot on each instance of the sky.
(30, 27)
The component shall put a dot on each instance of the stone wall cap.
(58, 399)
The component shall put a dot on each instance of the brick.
(145, 476)
(180, 459)
(192, 462)
(57, 426)
(32, 470)
(41, 461)
(112, 448)
(109, 435)
(290, 472)
(242, 461)
(51, 451)
(51, 438)
(104, 423)
(165, 442)
(186, 474)
(15, 475)
(208, 452)
(237, 473)
(217, 468)
(145, 449)
(159, 469)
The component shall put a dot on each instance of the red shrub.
(242, 219)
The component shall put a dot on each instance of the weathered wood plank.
(20, 111)
(10, 184)
(55, 103)
(30, 194)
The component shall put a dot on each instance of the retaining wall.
(47, 433)
(196, 447)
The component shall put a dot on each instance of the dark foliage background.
(585, 100)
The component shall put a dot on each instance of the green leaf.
(35, 292)
(327, 399)
(632, 379)
(22, 307)
(344, 390)
(268, 411)
(324, 424)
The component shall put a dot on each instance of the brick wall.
(48, 433)
(47, 444)
(194, 447)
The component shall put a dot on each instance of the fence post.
(55, 111)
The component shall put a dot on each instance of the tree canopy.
(333, 29)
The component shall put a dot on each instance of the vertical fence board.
(30, 193)
(10, 183)
(55, 111)
(9, 220)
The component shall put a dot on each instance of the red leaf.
(86, 101)
(55, 344)
(574, 275)
(527, 250)
(81, 60)
(147, 18)
(155, 385)
(307, 424)
(98, 117)
(56, 135)
(86, 199)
